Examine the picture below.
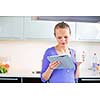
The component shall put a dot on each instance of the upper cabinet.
(34, 29)
(87, 31)
(11, 27)
(27, 27)
(72, 26)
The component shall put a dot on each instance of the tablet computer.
(66, 61)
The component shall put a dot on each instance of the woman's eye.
(59, 37)
(65, 37)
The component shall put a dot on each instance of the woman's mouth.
(63, 43)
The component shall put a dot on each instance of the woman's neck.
(62, 50)
(62, 47)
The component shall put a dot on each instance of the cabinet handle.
(90, 79)
(8, 78)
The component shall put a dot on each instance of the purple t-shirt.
(58, 75)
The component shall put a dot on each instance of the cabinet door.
(72, 26)
(42, 29)
(11, 27)
(10, 80)
(89, 80)
(31, 80)
(88, 31)
(38, 29)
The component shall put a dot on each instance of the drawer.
(10, 80)
(89, 80)
(31, 80)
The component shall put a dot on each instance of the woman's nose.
(63, 39)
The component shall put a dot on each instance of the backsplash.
(89, 48)
(28, 54)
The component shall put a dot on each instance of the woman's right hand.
(54, 65)
(46, 75)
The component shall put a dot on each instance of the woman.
(49, 72)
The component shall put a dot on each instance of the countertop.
(85, 72)
(20, 75)
(89, 73)
(14, 72)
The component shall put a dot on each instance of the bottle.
(94, 62)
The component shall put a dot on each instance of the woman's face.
(62, 36)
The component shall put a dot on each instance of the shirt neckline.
(58, 54)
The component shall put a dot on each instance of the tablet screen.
(66, 61)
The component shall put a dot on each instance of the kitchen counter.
(89, 73)
(14, 72)
(84, 73)
(20, 76)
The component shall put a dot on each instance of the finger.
(55, 64)
(79, 63)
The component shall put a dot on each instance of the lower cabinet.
(20, 80)
(38, 80)
(10, 80)
(89, 80)
(31, 80)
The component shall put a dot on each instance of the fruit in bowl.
(4, 68)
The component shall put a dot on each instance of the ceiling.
(93, 19)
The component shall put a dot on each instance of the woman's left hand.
(78, 63)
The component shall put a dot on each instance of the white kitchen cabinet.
(11, 27)
(34, 29)
(10, 79)
(72, 26)
(38, 29)
(87, 31)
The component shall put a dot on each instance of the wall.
(89, 48)
(27, 55)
